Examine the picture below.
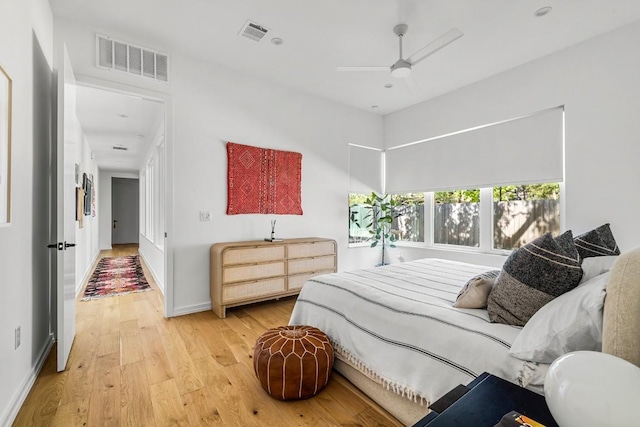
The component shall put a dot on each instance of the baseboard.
(21, 394)
(153, 273)
(189, 309)
(86, 275)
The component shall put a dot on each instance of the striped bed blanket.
(396, 325)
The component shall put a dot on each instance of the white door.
(125, 215)
(67, 140)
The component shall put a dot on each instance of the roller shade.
(524, 150)
(365, 169)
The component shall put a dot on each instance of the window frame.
(486, 226)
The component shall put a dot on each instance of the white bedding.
(396, 324)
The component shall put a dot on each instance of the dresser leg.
(220, 310)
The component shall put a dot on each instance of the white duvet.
(396, 324)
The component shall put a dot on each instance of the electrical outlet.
(205, 215)
(17, 337)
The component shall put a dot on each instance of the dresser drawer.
(308, 265)
(242, 273)
(298, 280)
(258, 288)
(306, 250)
(250, 255)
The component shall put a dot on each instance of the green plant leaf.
(374, 244)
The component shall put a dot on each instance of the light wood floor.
(130, 366)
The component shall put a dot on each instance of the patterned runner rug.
(116, 276)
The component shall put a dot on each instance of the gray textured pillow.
(566, 242)
(531, 277)
(597, 242)
(475, 292)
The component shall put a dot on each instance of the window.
(498, 218)
(152, 196)
(523, 212)
(358, 231)
(159, 191)
(143, 199)
(410, 217)
(149, 196)
(456, 217)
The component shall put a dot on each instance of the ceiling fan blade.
(412, 85)
(363, 69)
(436, 45)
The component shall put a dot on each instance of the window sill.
(359, 245)
(452, 248)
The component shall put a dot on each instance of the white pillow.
(594, 266)
(571, 322)
(475, 292)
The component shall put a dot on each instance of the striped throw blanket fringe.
(347, 357)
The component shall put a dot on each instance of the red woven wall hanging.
(261, 180)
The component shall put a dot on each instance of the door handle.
(69, 245)
(114, 223)
(59, 246)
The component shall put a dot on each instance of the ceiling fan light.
(401, 69)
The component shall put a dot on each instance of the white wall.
(597, 82)
(87, 248)
(153, 251)
(212, 105)
(22, 287)
(154, 258)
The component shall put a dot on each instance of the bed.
(398, 338)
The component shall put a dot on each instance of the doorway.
(125, 211)
(127, 130)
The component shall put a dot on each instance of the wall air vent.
(253, 31)
(121, 56)
(119, 147)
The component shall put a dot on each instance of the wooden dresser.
(247, 272)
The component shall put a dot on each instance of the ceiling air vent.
(119, 147)
(131, 59)
(253, 31)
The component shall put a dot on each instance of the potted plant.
(382, 212)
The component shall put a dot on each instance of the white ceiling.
(110, 119)
(321, 35)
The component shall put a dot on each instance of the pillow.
(475, 292)
(571, 322)
(532, 276)
(594, 266)
(565, 240)
(597, 242)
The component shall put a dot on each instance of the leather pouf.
(293, 362)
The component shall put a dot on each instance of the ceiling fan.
(402, 67)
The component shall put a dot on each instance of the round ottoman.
(293, 362)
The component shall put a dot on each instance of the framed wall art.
(5, 147)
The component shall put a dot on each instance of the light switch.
(205, 216)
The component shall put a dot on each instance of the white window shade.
(365, 169)
(523, 150)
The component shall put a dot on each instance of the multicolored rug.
(116, 276)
